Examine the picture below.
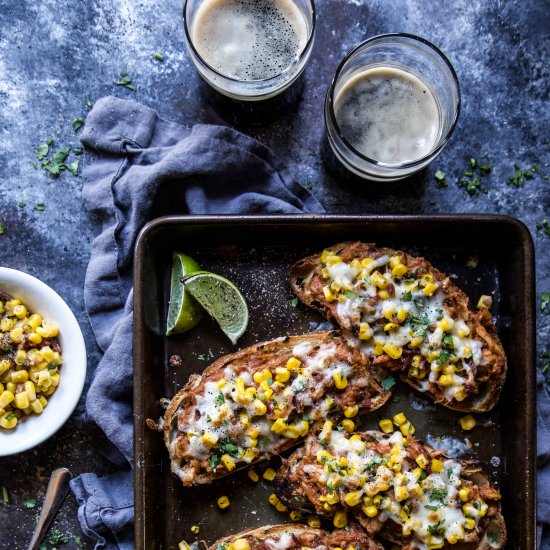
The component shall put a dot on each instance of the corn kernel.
(323, 456)
(8, 420)
(282, 374)
(333, 259)
(366, 261)
(386, 425)
(269, 474)
(430, 288)
(466, 352)
(422, 461)
(258, 407)
(209, 439)
(407, 429)
(280, 507)
(416, 341)
(351, 412)
(295, 515)
(370, 511)
(241, 544)
(340, 380)
(378, 348)
(365, 331)
(253, 476)
(484, 302)
(469, 523)
(340, 520)
(20, 357)
(398, 271)
(392, 350)
(401, 493)
(464, 494)
(388, 327)
(223, 502)
(329, 296)
(400, 419)
(34, 338)
(314, 522)
(16, 335)
(379, 280)
(452, 538)
(325, 273)
(463, 332)
(6, 397)
(348, 425)
(446, 380)
(437, 466)
(195, 529)
(228, 462)
(19, 376)
(353, 498)
(467, 422)
(293, 364)
(402, 315)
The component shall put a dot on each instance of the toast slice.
(297, 537)
(264, 399)
(409, 318)
(396, 488)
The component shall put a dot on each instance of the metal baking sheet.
(486, 253)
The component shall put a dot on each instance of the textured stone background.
(54, 54)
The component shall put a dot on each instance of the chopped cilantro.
(53, 365)
(9, 416)
(206, 356)
(407, 296)
(294, 302)
(78, 541)
(29, 503)
(77, 124)
(307, 418)
(444, 356)
(73, 167)
(213, 460)
(56, 537)
(89, 103)
(420, 325)
(220, 399)
(437, 529)
(473, 162)
(388, 383)
(350, 294)
(1, 229)
(5, 495)
(544, 301)
(159, 57)
(448, 341)
(472, 186)
(125, 81)
(22, 204)
(39, 207)
(431, 507)
(438, 494)
(440, 179)
(544, 226)
(520, 176)
(439, 312)
(43, 150)
(228, 447)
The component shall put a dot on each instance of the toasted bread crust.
(488, 383)
(300, 537)
(363, 389)
(298, 486)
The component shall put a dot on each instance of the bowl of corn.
(42, 361)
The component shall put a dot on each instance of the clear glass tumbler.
(250, 90)
(410, 54)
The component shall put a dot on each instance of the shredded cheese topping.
(240, 416)
(395, 308)
(425, 496)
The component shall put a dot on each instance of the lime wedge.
(222, 300)
(183, 310)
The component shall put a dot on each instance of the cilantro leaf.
(440, 179)
(220, 399)
(29, 503)
(228, 447)
(388, 383)
(407, 296)
(42, 151)
(544, 301)
(39, 207)
(73, 167)
(1, 229)
(294, 302)
(213, 460)
(125, 81)
(77, 124)
(159, 57)
(544, 226)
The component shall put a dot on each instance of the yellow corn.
(464, 494)
(452, 539)
(327, 292)
(293, 364)
(365, 331)
(228, 462)
(384, 294)
(352, 411)
(223, 502)
(398, 271)
(416, 341)
(282, 374)
(209, 439)
(21, 400)
(295, 515)
(422, 461)
(314, 522)
(401, 493)
(437, 466)
(370, 511)
(407, 429)
(388, 327)
(392, 350)
(379, 280)
(470, 523)
(467, 422)
(430, 288)
(8, 420)
(446, 380)
(279, 426)
(333, 259)
(340, 520)
(241, 544)
(280, 507)
(322, 456)
(183, 546)
(348, 425)
(253, 475)
(484, 302)
(258, 407)
(269, 474)
(463, 332)
(340, 380)
(378, 348)
(6, 397)
(386, 425)
(195, 529)
(402, 315)
(400, 419)
(366, 261)
(353, 498)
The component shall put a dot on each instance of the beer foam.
(388, 115)
(249, 39)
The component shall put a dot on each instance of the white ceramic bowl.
(40, 298)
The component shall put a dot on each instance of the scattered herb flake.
(43, 149)
(5, 495)
(125, 81)
(473, 163)
(89, 103)
(78, 151)
(220, 399)
(294, 302)
(440, 179)
(472, 186)
(1, 229)
(77, 124)
(544, 226)
(159, 56)
(544, 301)
(228, 447)
(388, 383)
(29, 503)
(436, 529)
(520, 176)
(73, 167)
(350, 294)
(78, 541)
(57, 537)
(22, 204)
(39, 207)
(407, 296)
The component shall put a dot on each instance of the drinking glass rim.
(260, 80)
(330, 100)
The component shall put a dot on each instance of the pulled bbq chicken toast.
(264, 399)
(397, 489)
(297, 537)
(409, 318)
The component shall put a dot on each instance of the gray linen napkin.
(543, 463)
(138, 167)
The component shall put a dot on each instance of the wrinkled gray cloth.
(543, 463)
(138, 167)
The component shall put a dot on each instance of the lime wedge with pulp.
(222, 300)
(183, 310)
